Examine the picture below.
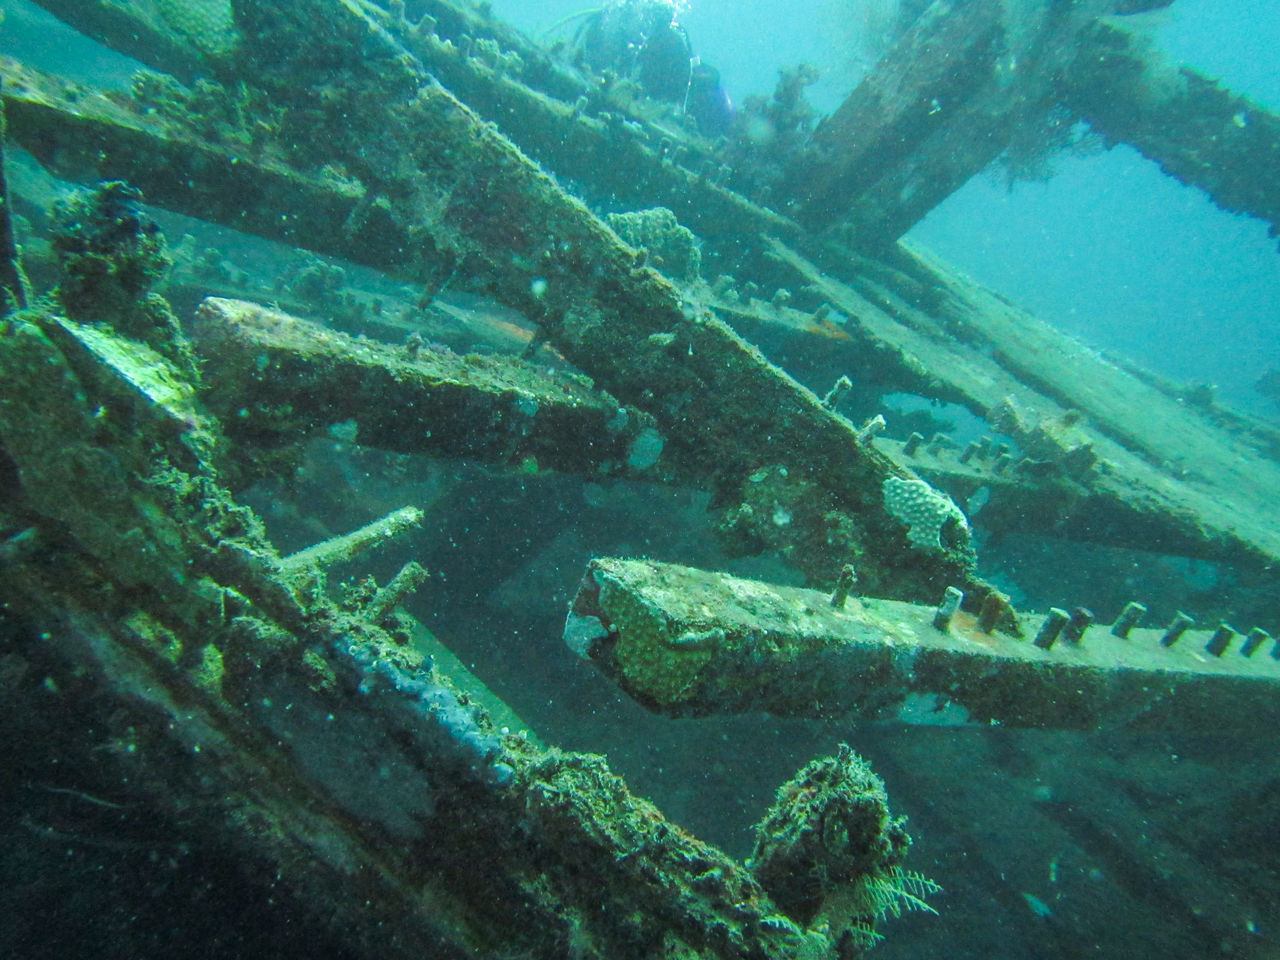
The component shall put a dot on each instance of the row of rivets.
(1071, 626)
(947, 609)
(1054, 621)
(1128, 619)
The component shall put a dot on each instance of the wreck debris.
(323, 747)
(995, 611)
(519, 233)
(1133, 498)
(830, 854)
(1256, 638)
(1197, 131)
(945, 101)
(947, 609)
(368, 194)
(831, 399)
(1055, 622)
(1221, 640)
(411, 576)
(351, 545)
(1129, 478)
(1179, 625)
(686, 642)
(1129, 618)
(277, 379)
(844, 585)
(1077, 624)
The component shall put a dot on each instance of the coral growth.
(923, 509)
(111, 254)
(673, 249)
(830, 854)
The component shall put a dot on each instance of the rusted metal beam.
(944, 102)
(686, 642)
(86, 135)
(1197, 131)
(13, 284)
(137, 30)
(276, 379)
(1165, 475)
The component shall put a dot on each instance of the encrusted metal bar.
(276, 378)
(351, 545)
(1196, 129)
(85, 135)
(688, 642)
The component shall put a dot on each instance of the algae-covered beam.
(277, 379)
(687, 642)
(1196, 130)
(533, 247)
(593, 140)
(226, 176)
(584, 130)
(13, 285)
(372, 792)
(1166, 474)
(347, 547)
(143, 31)
(912, 95)
(947, 98)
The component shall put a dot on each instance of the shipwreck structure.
(632, 282)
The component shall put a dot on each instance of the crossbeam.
(688, 642)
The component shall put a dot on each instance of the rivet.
(1256, 638)
(872, 428)
(1177, 627)
(913, 444)
(844, 583)
(994, 604)
(1073, 632)
(969, 452)
(1056, 619)
(947, 609)
(939, 441)
(1128, 619)
(838, 390)
(1221, 639)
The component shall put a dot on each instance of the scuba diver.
(644, 41)
(708, 102)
